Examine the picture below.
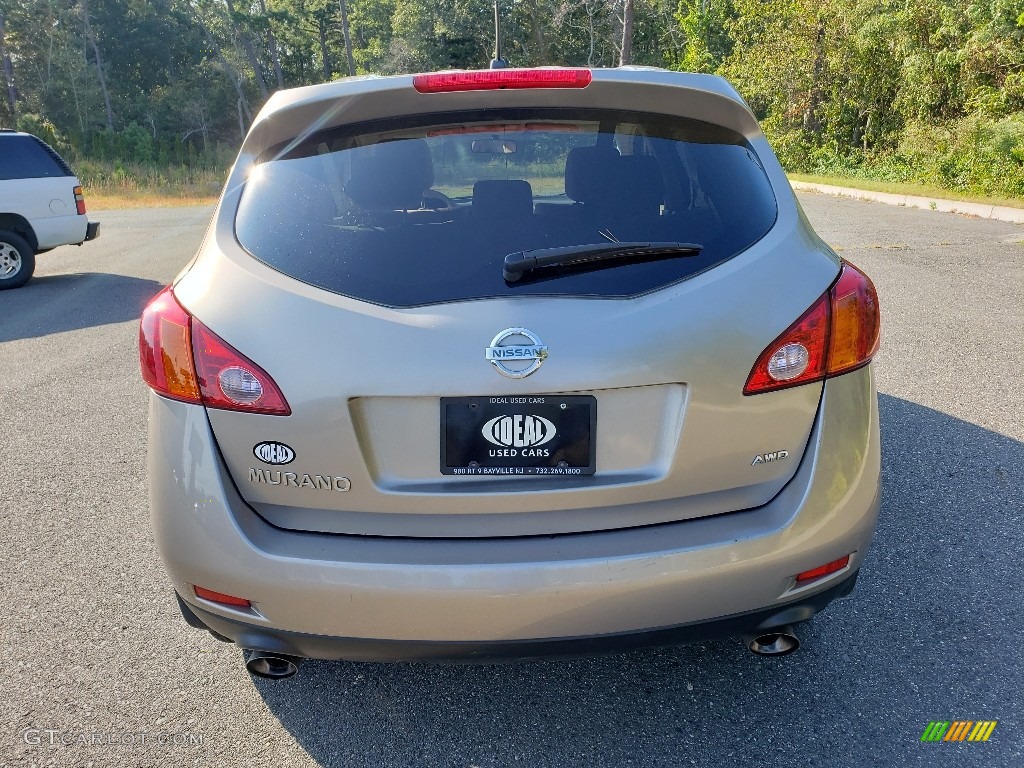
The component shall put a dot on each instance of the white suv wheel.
(17, 260)
(10, 261)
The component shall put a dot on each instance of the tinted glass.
(22, 157)
(425, 213)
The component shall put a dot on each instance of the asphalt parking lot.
(101, 671)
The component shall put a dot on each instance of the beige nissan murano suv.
(510, 363)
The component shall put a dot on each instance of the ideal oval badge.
(273, 452)
(518, 431)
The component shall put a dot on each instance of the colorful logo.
(959, 730)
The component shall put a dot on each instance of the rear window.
(26, 157)
(423, 211)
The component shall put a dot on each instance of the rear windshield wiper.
(519, 263)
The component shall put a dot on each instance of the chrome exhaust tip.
(778, 641)
(272, 666)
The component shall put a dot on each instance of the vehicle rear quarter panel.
(49, 206)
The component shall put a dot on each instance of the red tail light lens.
(231, 381)
(491, 79)
(838, 334)
(184, 360)
(79, 201)
(165, 349)
(797, 357)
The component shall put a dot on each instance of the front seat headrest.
(392, 175)
(502, 200)
(589, 173)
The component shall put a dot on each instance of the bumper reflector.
(220, 597)
(823, 570)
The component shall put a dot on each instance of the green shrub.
(975, 155)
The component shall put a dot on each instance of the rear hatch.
(499, 314)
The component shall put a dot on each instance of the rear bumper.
(720, 574)
(92, 231)
(363, 649)
(54, 231)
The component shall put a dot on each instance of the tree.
(91, 39)
(704, 24)
(348, 37)
(626, 50)
(239, 25)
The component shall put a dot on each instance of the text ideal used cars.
(510, 363)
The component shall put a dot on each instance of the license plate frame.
(520, 446)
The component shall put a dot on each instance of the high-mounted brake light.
(838, 334)
(492, 79)
(184, 360)
(79, 201)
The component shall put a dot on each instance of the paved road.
(93, 647)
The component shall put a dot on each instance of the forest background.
(156, 95)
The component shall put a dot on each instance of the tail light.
(492, 79)
(79, 201)
(838, 334)
(184, 360)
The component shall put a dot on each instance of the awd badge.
(766, 458)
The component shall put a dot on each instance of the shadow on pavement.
(68, 302)
(931, 633)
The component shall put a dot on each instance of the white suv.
(41, 206)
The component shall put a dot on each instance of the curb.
(981, 210)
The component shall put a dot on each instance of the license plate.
(518, 435)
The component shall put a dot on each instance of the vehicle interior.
(463, 195)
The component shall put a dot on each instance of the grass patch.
(104, 200)
(898, 188)
(133, 185)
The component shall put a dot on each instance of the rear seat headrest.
(391, 175)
